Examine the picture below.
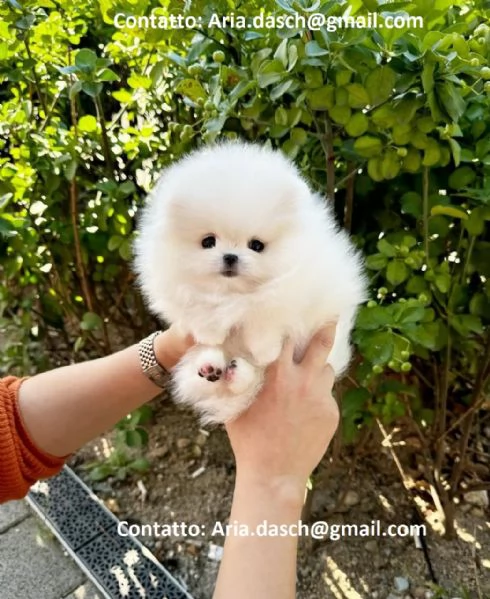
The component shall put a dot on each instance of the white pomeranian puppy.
(234, 248)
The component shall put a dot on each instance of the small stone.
(401, 584)
(159, 452)
(112, 505)
(215, 552)
(196, 451)
(192, 549)
(351, 498)
(478, 512)
(201, 438)
(372, 546)
(419, 593)
(393, 596)
(183, 443)
(478, 498)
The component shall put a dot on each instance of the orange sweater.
(21, 462)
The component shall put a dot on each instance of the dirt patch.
(191, 481)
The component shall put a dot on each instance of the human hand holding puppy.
(277, 443)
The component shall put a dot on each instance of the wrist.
(169, 348)
(285, 491)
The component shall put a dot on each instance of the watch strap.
(149, 363)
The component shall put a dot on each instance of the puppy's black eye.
(209, 242)
(256, 245)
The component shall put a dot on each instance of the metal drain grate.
(120, 567)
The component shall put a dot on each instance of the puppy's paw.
(211, 365)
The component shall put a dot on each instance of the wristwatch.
(149, 363)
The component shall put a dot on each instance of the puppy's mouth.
(229, 272)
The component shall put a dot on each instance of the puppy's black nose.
(230, 259)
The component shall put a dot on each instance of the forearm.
(263, 567)
(65, 408)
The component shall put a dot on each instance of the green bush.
(393, 125)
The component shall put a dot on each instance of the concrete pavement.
(32, 562)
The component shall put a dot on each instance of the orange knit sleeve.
(21, 462)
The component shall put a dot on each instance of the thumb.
(319, 348)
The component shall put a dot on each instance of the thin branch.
(105, 140)
(330, 157)
(349, 199)
(425, 200)
(480, 383)
(42, 99)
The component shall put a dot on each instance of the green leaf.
(240, 89)
(386, 248)
(141, 415)
(379, 84)
(455, 150)
(75, 89)
(312, 49)
(123, 96)
(461, 177)
(368, 146)
(270, 71)
(281, 116)
(92, 89)
(7, 229)
(87, 123)
(85, 59)
(465, 324)
(451, 99)
(127, 188)
(136, 438)
(280, 89)
(411, 203)
(313, 78)
(107, 75)
(100, 472)
(71, 169)
(397, 272)
(281, 52)
(140, 465)
(136, 81)
(125, 250)
(448, 211)
(430, 335)
(114, 242)
(357, 125)
(358, 95)
(475, 224)
(374, 318)
(354, 402)
(428, 77)
(376, 261)
(340, 114)
(377, 347)
(443, 281)
(191, 88)
(322, 98)
(410, 315)
(91, 321)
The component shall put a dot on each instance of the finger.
(286, 355)
(319, 348)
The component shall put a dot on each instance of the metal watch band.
(149, 364)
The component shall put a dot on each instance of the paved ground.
(32, 562)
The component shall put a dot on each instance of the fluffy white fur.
(307, 275)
